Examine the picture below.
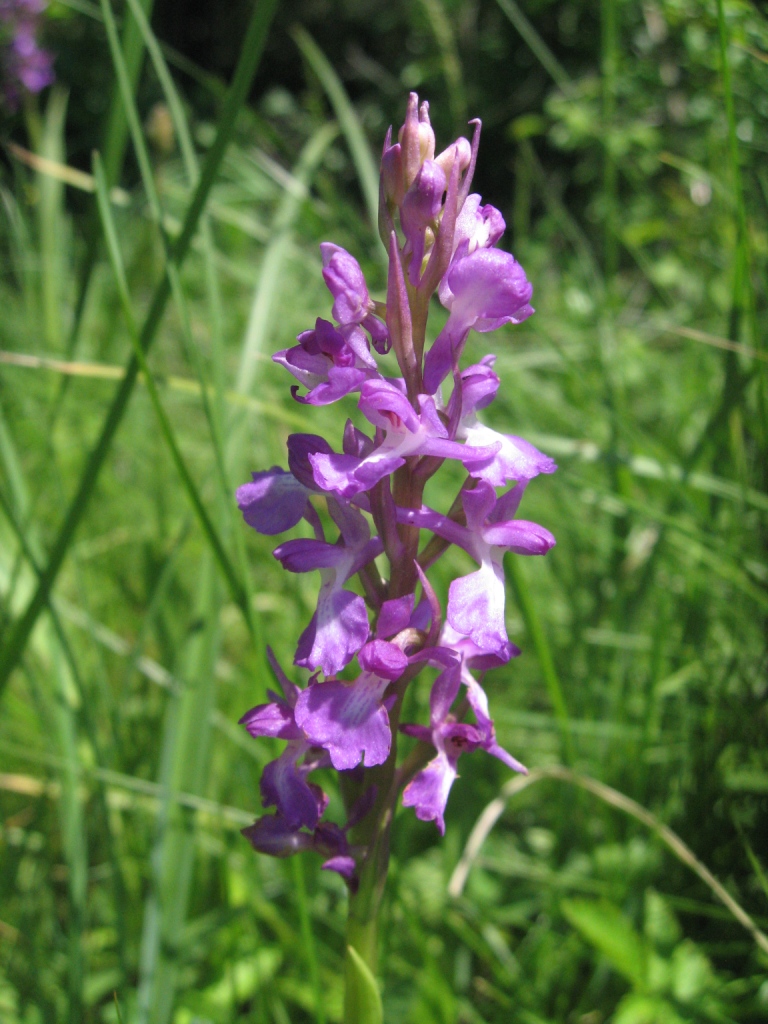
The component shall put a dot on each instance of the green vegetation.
(136, 392)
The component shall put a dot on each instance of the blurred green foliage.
(622, 143)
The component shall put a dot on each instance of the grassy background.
(625, 146)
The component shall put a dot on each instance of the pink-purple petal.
(348, 719)
(274, 501)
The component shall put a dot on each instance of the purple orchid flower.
(352, 303)
(26, 66)
(515, 458)
(440, 240)
(331, 362)
(405, 433)
(483, 290)
(283, 783)
(350, 720)
(273, 835)
(339, 626)
(476, 602)
(477, 227)
(428, 791)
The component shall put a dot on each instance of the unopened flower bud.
(416, 138)
(421, 206)
(392, 171)
(459, 150)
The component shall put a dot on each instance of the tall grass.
(136, 390)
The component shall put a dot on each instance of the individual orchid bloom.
(476, 602)
(273, 835)
(330, 362)
(273, 501)
(477, 227)
(283, 782)
(352, 304)
(515, 459)
(405, 433)
(473, 657)
(428, 791)
(483, 290)
(350, 720)
(339, 626)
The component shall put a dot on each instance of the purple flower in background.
(25, 65)
(363, 498)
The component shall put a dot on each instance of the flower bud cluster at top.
(440, 239)
(23, 64)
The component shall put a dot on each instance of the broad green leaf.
(606, 928)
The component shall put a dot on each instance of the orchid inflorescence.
(440, 238)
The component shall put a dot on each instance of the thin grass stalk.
(365, 165)
(236, 587)
(50, 220)
(226, 506)
(114, 142)
(248, 62)
(543, 651)
(309, 946)
(536, 44)
(614, 798)
(74, 836)
(184, 768)
(445, 38)
(281, 231)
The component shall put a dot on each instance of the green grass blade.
(50, 220)
(309, 947)
(367, 170)
(113, 247)
(191, 349)
(116, 129)
(184, 767)
(73, 831)
(264, 299)
(449, 57)
(536, 44)
(114, 141)
(246, 68)
(543, 651)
